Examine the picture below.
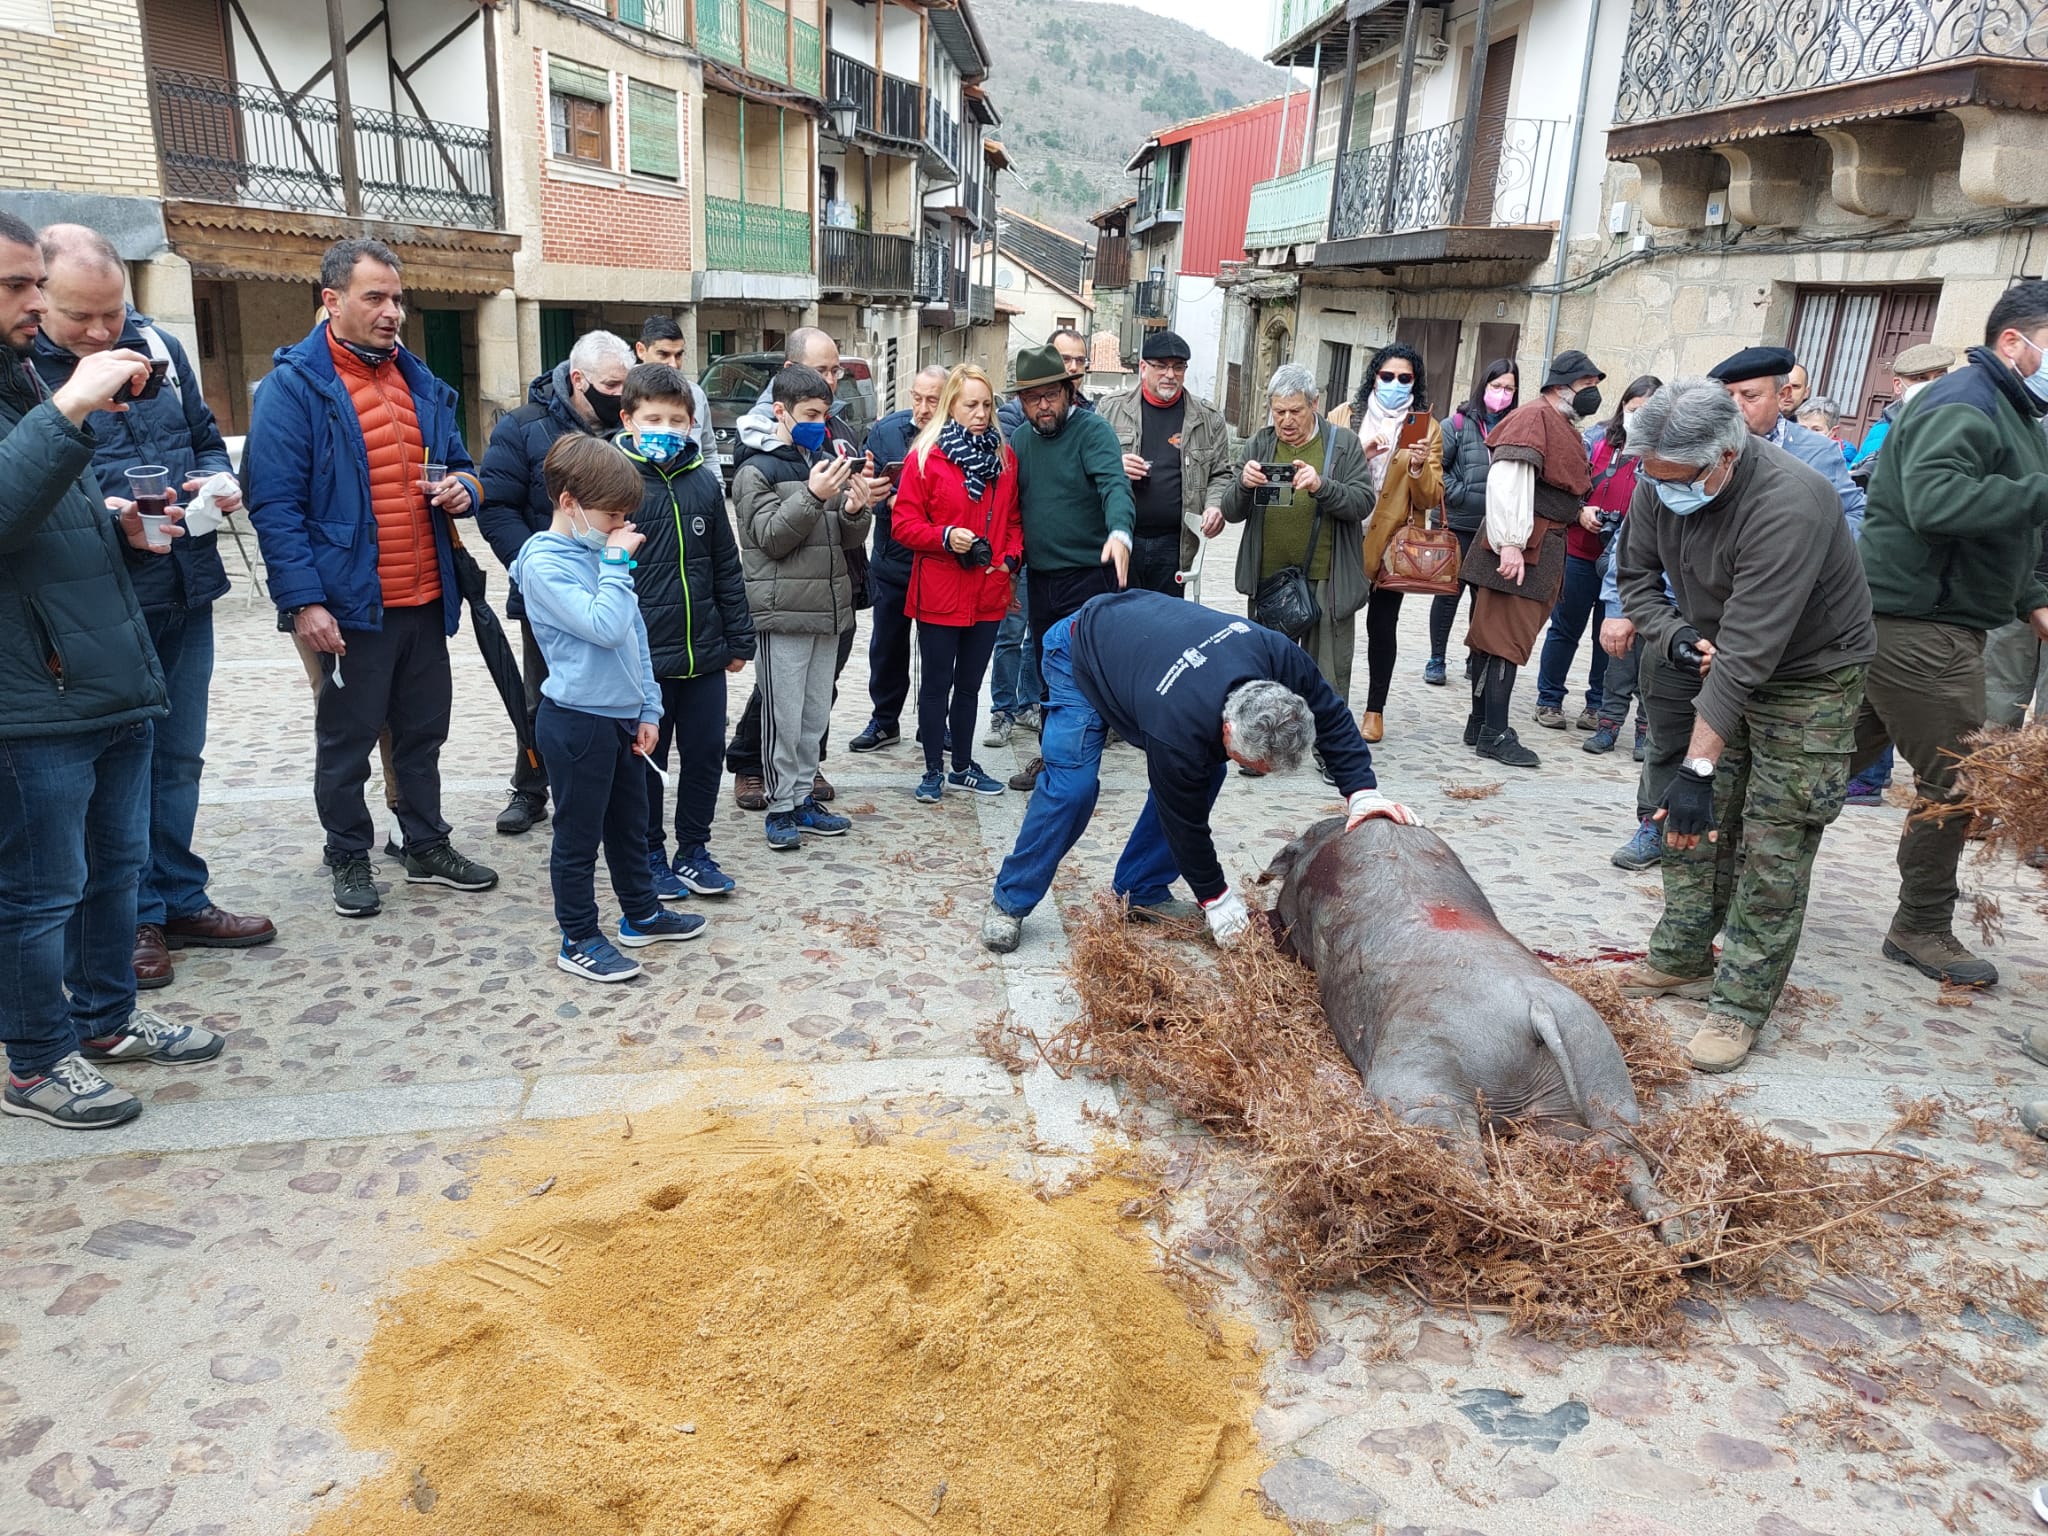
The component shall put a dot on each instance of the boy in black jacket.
(694, 603)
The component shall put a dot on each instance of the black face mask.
(604, 407)
(1586, 403)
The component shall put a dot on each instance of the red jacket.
(933, 498)
(1609, 495)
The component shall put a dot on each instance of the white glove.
(1368, 803)
(1229, 918)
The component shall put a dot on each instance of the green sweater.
(1072, 492)
(1954, 525)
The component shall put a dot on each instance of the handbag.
(1420, 558)
(1285, 600)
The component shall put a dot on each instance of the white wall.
(900, 43)
(853, 30)
(293, 38)
(1198, 318)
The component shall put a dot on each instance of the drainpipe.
(1571, 181)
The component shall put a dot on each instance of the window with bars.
(1847, 339)
(1336, 374)
(579, 112)
(654, 145)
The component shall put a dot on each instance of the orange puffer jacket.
(408, 567)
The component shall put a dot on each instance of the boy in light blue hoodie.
(599, 706)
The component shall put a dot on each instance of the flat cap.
(1165, 347)
(1925, 358)
(1568, 367)
(1754, 363)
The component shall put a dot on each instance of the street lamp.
(845, 118)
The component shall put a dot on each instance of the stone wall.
(78, 104)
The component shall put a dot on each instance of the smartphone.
(159, 375)
(894, 471)
(843, 448)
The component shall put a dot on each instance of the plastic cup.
(431, 476)
(155, 530)
(150, 486)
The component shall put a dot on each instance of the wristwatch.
(1700, 767)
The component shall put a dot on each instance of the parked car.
(733, 384)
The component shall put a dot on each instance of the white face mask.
(1913, 389)
(1626, 418)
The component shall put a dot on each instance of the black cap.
(1569, 367)
(1164, 347)
(1753, 363)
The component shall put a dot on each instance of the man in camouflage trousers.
(1773, 614)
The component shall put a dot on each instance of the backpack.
(153, 340)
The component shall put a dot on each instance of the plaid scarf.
(977, 455)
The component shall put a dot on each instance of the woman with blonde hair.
(956, 512)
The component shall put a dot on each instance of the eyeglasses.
(1168, 364)
(1388, 376)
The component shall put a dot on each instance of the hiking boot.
(1941, 956)
(667, 885)
(931, 789)
(749, 792)
(1168, 911)
(1000, 932)
(1000, 724)
(152, 958)
(1031, 718)
(1721, 1045)
(1433, 672)
(782, 831)
(700, 873)
(1642, 746)
(72, 1097)
(1644, 980)
(1550, 717)
(1643, 851)
(2035, 1042)
(1506, 748)
(442, 865)
(664, 925)
(149, 1037)
(521, 812)
(821, 788)
(595, 959)
(973, 777)
(875, 737)
(1589, 720)
(1602, 740)
(1025, 779)
(814, 818)
(355, 893)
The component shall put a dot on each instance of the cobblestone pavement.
(185, 1298)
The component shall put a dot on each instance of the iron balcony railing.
(850, 80)
(718, 30)
(767, 40)
(741, 236)
(981, 304)
(225, 141)
(1686, 56)
(1148, 299)
(807, 67)
(934, 270)
(1289, 210)
(901, 109)
(1516, 189)
(855, 261)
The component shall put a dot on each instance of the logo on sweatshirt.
(697, 526)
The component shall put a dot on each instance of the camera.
(976, 555)
(159, 374)
(1278, 474)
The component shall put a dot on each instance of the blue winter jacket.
(176, 430)
(516, 505)
(306, 476)
(889, 441)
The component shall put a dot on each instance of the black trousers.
(530, 777)
(1155, 560)
(396, 676)
(955, 658)
(1054, 595)
(693, 718)
(1444, 610)
(888, 644)
(743, 752)
(600, 792)
(1382, 637)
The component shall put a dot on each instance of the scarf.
(977, 455)
(1380, 425)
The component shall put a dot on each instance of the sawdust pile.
(1350, 1195)
(811, 1341)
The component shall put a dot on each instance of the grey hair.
(932, 371)
(1269, 722)
(1823, 406)
(1689, 421)
(594, 349)
(1292, 379)
(338, 265)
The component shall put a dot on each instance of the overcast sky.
(1240, 23)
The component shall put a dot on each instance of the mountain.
(1080, 87)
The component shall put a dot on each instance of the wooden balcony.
(861, 265)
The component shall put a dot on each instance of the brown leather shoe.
(211, 928)
(1371, 726)
(152, 958)
(1025, 779)
(749, 792)
(821, 788)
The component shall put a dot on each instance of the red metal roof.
(1228, 153)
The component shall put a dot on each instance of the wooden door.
(1497, 339)
(1437, 341)
(192, 90)
(1492, 129)
(1906, 319)
(1848, 338)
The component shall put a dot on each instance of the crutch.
(1191, 578)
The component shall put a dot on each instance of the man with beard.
(1176, 450)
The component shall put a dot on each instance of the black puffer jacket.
(693, 597)
(74, 654)
(1466, 462)
(516, 505)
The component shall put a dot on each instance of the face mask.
(1498, 400)
(603, 406)
(587, 536)
(1394, 397)
(1626, 418)
(1586, 402)
(1684, 500)
(660, 447)
(808, 435)
(2037, 381)
(1913, 389)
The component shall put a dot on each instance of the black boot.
(1475, 676)
(1506, 747)
(1496, 740)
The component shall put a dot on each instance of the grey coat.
(1346, 499)
(1206, 469)
(793, 547)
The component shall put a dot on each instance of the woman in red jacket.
(956, 512)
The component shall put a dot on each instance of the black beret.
(1754, 363)
(1164, 347)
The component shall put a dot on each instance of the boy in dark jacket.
(694, 602)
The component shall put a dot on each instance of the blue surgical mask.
(1684, 499)
(808, 435)
(659, 447)
(589, 537)
(2037, 381)
(1394, 397)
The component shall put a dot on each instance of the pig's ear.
(1283, 863)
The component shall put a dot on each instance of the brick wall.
(612, 225)
(78, 115)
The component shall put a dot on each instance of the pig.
(1439, 1007)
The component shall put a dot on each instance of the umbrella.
(489, 629)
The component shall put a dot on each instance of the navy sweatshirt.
(1157, 669)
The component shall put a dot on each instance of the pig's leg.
(1455, 1125)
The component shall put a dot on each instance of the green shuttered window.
(653, 145)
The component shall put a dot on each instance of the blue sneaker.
(700, 873)
(813, 817)
(1643, 851)
(596, 959)
(663, 925)
(782, 831)
(666, 885)
(931, 789)
(971, 777)
(1865, 792)
(1433, 671)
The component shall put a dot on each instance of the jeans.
(1155, 561)
(1064, 800)
(1578, 602)
(954, 657)
(74, 836)
(693, 717)
(600, 792)
(1015, 684)
(1618, 686)
(396, 676)
(888, 643)
(174, 879)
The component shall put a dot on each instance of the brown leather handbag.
(1420, 558)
